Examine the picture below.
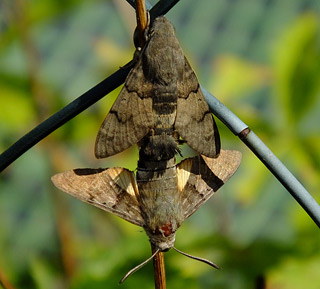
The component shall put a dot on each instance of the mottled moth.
(159, 107)
(161, 96)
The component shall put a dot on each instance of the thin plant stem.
(159, 270)
(142, 21)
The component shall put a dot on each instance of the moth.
(159, 107)
(157, 208)
(161, 96)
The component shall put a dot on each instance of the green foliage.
(260, 59)
(297, 70)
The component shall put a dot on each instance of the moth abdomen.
(164, 108)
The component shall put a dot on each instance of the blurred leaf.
(234, 77)
(111, 53)
(286, 275)
(16, 109)
(297, 69)
(43, 275)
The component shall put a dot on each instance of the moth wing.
(113, 190)
(200, 177)
(130, 117)
(194, 121)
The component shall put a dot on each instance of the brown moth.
(160, 102)
(159, 204)
(161, 92)
(115, 190)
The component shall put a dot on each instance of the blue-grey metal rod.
(286, 178)
(62, 116)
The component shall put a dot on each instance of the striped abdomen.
(156, 172)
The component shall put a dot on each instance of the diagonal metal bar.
(132, 3)
(62, 116)
(276, 167)
(161, 8)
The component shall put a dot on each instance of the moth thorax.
(160, 147)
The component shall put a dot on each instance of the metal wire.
(61, 117)
(276, 167)
(161, 8)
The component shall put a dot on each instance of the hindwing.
(200, 177)
(113, 190)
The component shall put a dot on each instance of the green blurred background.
(261, 58)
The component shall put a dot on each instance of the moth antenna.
(138, 267)
(198, 258)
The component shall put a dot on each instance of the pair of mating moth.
(159, 107)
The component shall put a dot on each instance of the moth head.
(163, 243)
(162, 240)
(162, 25)
(163, 236)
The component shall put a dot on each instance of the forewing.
(200, 177)
(129, 119)
(113, 190)
(194, 122)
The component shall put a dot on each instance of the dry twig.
(159, 270)
(142, 21)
